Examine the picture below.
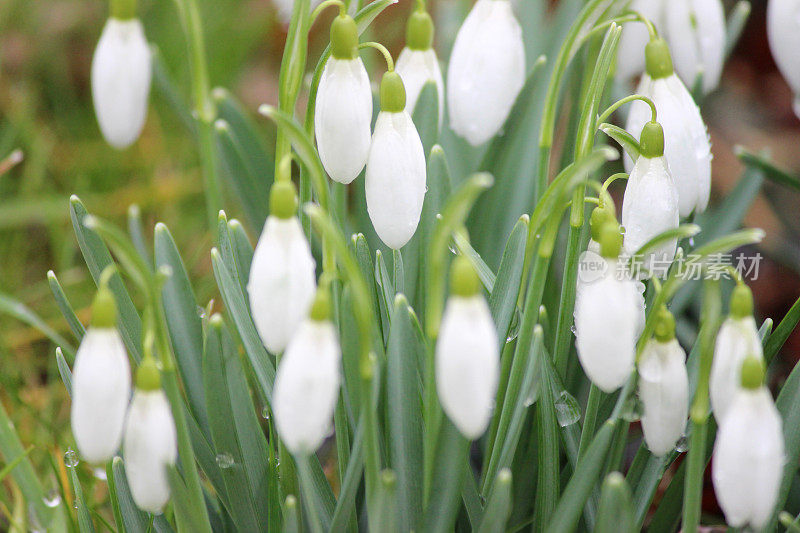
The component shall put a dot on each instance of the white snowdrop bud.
(695, 31)
(418, 64)
(282, 281)
(749, 453)
(467, 354)
(630, 53)
(101, 384)
(151, 443)
(344, 106)
(606, 315)
(650, 205)
(121, 72)
(486, 71)
(663, 387)
(687, 148)
(396, 175)
(307, 381)
(737, 339)
(783, 31)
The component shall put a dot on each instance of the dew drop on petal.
(632, 411)
(568, 411)
(224, 460)
(71, 458)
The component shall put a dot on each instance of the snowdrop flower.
(121, 72)
(686, 144)
(396, 175)
(151, 443)
(783, 31)
(101, 384)
(282, 282)
(737, 339)
(486, 71)
(749, 452)
(650, 205)
(630, 54)
(307, 381)
(696, 34)
(663, 387)
(344, 105)
(606, 315)
(418, 64)
(467, 354)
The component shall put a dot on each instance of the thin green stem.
(589, 419)
(611, 179)
(383, 50)
(619, 103)
(323, 6)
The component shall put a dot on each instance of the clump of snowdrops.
(445, 322)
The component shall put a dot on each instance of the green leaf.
(498, 508)
(167, 88)
(623, 138)
(84, 516)
(615, 514)
(387, 510)
(485, 274)
(346, 504)
(12, 464)
(188, 518)
(64, 371)
(386, 292)
(503, 297)
(451, 453)
(65, 307)
(426, 115)
(684, 231)
(548, 483)
(133, 518)
(737, 19)
(136, 232)
(21, 312)
(781, 334)
(772, 172)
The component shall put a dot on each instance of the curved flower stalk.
(635, 35)
(695, 30)
(418, 63)
(749, 452)
(737, 339)
(121, 73)
(486, 71)
(663, 387)
(467, 354)
(282, 280)
(101, 383)
(650, 204)
(307, 381)
(687, 148)
(607, 312)
(783, 30)
(396, 174)
(151, 442)
(343, 105)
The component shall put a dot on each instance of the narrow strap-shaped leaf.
(65, 307)
(64, 371)
(426, 115)
(386, 293)
(133, 518)
(136, 232)
(23, 313)
(242, 249)
(624, 139)
(772, 172)
(84, 516)
(167, 88)
(345, 505)
(451, 452)
(503, 297)
(781, 333)
(548, 472)
(498, 508)
(387, 503)
(615, 514)
(484, 272)
(398, 272)
(737, 19)
(187, 517)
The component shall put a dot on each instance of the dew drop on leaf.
(568, 411)
(224, 460)
(71, 458)
(52, 498)
(682, 445)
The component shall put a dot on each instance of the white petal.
(736, 340)
(282, 283)
(121, 71)
(606, 315)
(696, 34)
(783, 30)
(649, 208)
(307, 387)
(150, 446)
(664, 391)
(467, 364)
(416, 68)
(101, 389)
(630, 54)
(686, 144)
(343, 117)
(748, 459)
(486, 71)
(395, 179)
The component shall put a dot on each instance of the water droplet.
(529, 400)
(632, 411)
(682, 445)
(265, 412)
(513, 330)
(691, 242)
(201, 312)
(452, 248)
(574, 330)
(99, 473)
(71, 458)
(568, 411)
(224, 460)
(52, 498)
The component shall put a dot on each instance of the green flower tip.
(344, 37)
(752, 373)
(601, 215)
(148, 377)
(665, 326)
(123, 9)
(283, 199)
(658, 60)
(652, 140)
(393, 93)
(419, 31)
(741, 301)
(104, 309)
(463, 278)
(321, 307)
(610, 240)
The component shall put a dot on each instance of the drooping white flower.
(650, 204)
(467, 354)
(783, 30)
(696, 34)
(282, 282)
(307, 384)
(687, 148)
(749, 456)
(418, 67)
(663, 388)
(101, 384)
(396, 174)
(737, 339)
(630, 53)
(486, 71)
(121, 72)
(150, 446)
(344, 106)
